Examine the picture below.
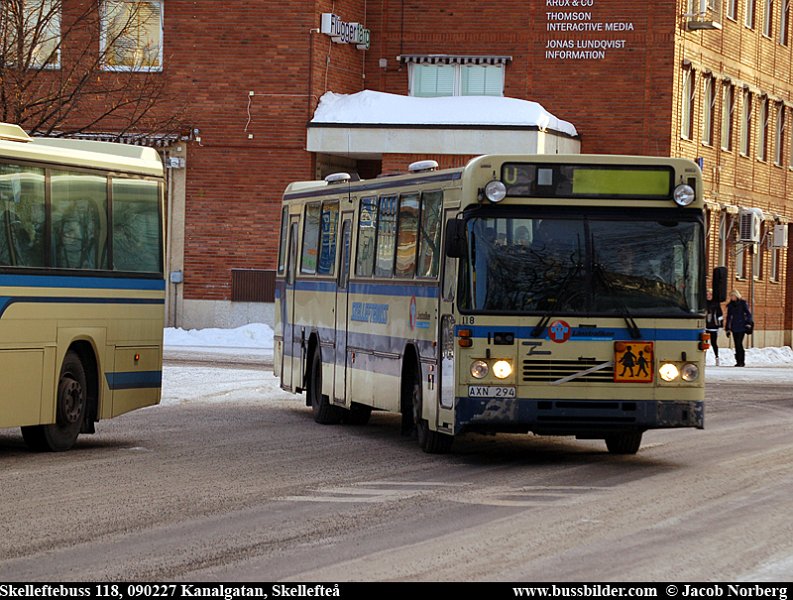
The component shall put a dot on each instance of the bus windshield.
(582, 265)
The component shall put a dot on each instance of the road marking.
(371, 491)
(527, 496)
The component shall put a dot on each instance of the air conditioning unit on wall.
(749, 225)
(706, 15)
(780, 236)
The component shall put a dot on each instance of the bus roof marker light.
(337, 178)
(684, 194)
(423, 166)
(495, 191)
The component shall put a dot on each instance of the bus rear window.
(136, 226)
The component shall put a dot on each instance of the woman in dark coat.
(714, 319)
(739, 323)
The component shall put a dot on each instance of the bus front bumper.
(582, 418)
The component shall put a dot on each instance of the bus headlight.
(502, 369)
(668, 372)
(689, 372)
(495, 191)
(479, 369)
(684, 195)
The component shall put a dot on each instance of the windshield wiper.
(546, 317)
(633, 328)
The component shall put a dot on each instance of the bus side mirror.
(455, 238)
(720, 284)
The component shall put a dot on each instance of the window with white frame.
(455, 79)
(746, 123)
(784, 22)
(687, 116)
(762, 130)
(748, 19)
(38, 24)
(727, 106)
(757, 259)
(779, 138)
(730, 8)
(768, 18)
(723, 225)
(708, 102)
(740, 261)
(132, 35)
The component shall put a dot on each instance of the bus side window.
(308, 254)
(282, 241)
(386, 236)
(430, 234)
(136, 226)
(22, 216)
(367, 228)
(407, 236)
(79, 220)
(328, 237)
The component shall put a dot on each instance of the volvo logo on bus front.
(559, 332)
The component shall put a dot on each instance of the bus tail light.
(704, 341)
(465, 340)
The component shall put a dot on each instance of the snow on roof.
(378, 108)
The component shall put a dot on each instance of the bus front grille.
(547, 371)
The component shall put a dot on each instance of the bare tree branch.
(75, 66)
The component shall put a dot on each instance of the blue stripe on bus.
(134, 380)
(373, 289)
(70, 281)
(589, 334)
(6, 301)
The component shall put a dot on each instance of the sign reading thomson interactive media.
(577, 32)
(343, 32)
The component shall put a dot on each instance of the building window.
(779, 141)
(687, 117)
(746, 123)
(708, 102)
(740, 261)
(768, 18)
(38, 23)
(757, 258)
(131, 38)
(784, 22)
(762, 130)
(730, 8)
(727, 106)
(749, 15)
(433, 80)
(721, 260)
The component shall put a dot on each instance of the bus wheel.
(432, 442)
(624, 443)
(324, 412)
(358, 414)
(70, 410)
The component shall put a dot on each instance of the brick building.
(702, 79)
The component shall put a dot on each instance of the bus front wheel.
(324, 412)
(70, 410)
(432, 442)
(624, 443)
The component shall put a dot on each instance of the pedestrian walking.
(714, 320)
(739, 323)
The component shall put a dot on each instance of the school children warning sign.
(633, 362)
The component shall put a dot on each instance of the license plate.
(491, 391)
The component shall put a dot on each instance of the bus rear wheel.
(324, 412)
(624, 443)
(432, 442)
(70, 410)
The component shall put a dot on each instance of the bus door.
(446, 377)
(342, 308)
(290, 363)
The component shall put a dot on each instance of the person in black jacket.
(714, 319)
(739, 323)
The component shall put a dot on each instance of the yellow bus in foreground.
(559, 295)
(81, 284)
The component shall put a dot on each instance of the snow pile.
(755, 357)
(379, 108)
(254, 335)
